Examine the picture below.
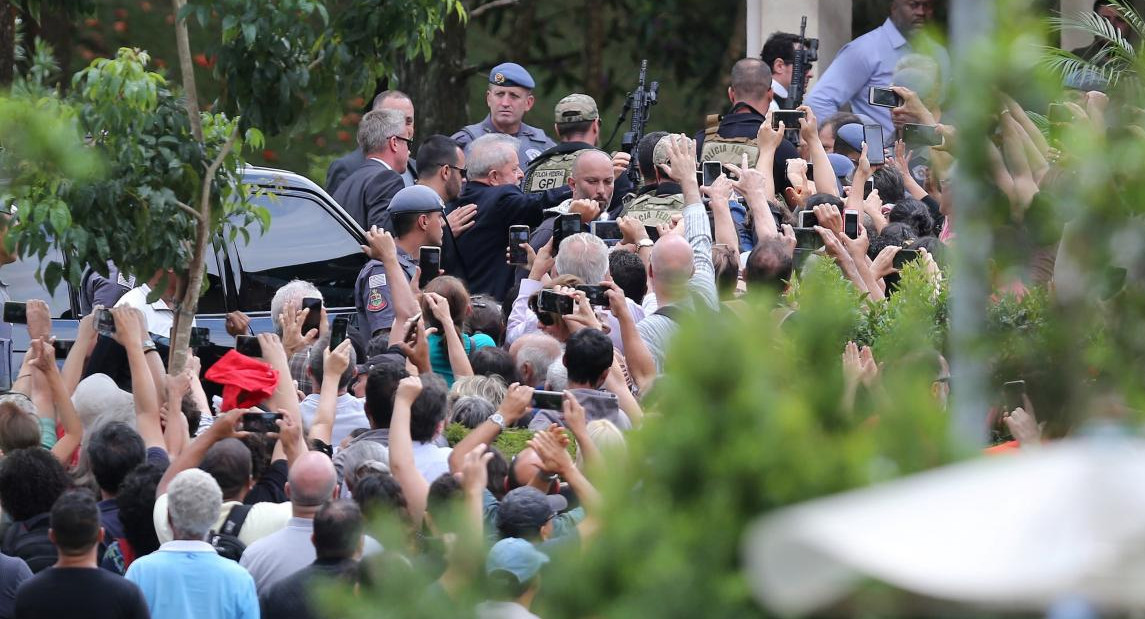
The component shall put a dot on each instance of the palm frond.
(1129, 13)
(1072, 68)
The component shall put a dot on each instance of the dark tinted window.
(20, 276)
(304, 241)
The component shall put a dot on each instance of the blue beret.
(511, 74)
(852, 135)
(840, 165)
(416, 199)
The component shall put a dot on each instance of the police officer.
(509, 97)
(418, 220)
(577, 123)
(660, 197)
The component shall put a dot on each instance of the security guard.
(577, 123)
(661, 197)
(510, 95)
(419, 220)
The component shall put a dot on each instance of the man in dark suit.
(347, 164)
(366, 193)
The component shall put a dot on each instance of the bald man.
(534, 353)
(591, 183)
(312, 482)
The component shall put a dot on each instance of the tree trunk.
(438, 86)
(7, 42)
(735, 50)
(187, 68)
(57, 28)
(594, 50)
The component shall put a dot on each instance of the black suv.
(310, 237)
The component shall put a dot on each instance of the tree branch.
(190, 211)
(496, 4)
(187, 68)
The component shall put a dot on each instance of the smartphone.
(807, 219)
(315, 315)
(429, 259)
(548, 400)
(338, 331)
(711, 171)
(873, 136)
(517, 236)
(63, 347)
(248, 345)
(807, 238)
(105, 322)
(1014, 392)
(411, 329)
(851, 223)
(260, 422)
(554, 303)
(789, 118)
(607, 231)
(200, 337)
(596, 295)
(564, 227)
(868, 187)
(921, 135)
(903, 256)
(653, 233)
(883, 97)
(15, 313)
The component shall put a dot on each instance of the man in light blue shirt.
(186, 577)
(869, 61)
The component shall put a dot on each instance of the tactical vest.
(726, 150)
(552, 173)
(652, 209)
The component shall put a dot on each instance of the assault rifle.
(805, 54)
(640, 101)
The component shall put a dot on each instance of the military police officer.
(509, 97)
(418, 220)
(661, 197)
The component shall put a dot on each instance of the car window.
(20, 276)
(304, 241)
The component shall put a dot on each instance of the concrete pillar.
(827, 20)
(1073, 39)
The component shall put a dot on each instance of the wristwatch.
(645, 242)
(498, 419)
(148, 345)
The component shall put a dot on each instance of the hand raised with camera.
(335, 362)
(516, 403)
(39, 320)
(129, 326)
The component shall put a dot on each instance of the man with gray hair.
(345, 165)
(494, 176)
(534, 353)
(366, 193)
(297, 348)
(186, 577)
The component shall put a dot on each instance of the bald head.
(751, 82)
(671, 266)
(312, 480)
(592, 177)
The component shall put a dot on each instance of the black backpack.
(29, 541)
(227, 542)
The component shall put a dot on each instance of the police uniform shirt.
(743, 121)
(533, 140)
(372, 296)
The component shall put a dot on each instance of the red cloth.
(245, 381)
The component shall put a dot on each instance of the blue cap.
(511, 74)
(841, 165)
(852, 136)
(416, 199)
(516, 556)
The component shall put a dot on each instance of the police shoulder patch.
(376, 302)
(376, 281)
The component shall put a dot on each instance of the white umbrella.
(1019, 531)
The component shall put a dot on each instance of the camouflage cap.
(660, 153)
(576, 108)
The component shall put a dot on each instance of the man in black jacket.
(349, 163)
(366, 193)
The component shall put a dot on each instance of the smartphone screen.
(564, 227)
(15, 313)
(789, 118)
(429, 259)
(548, 400)
(596, 295)
(921, 135)
(105, 322)
(712, 171)
(807, 238)
(873, 136)
(700, 178)
(260, 422)
(807, 219)
(517, 236)
(851, 223)
(1014, 392)
(868, 187)
(248, 345)
(62, 347)
(884, 97)
(315, 315)
(608, 231)
(338, 331)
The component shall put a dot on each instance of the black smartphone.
(248, 345)
(411, 329)
(315, 315)
(429, 259)
(15, 313)
(200, 337)
(548, 400)
(873, 136)
(517, 236)
(607, 231)
(883, 97)
(921, 135)
(789, 118)
(807, 238)
(338, 331)
(1014, 393)
(807, 219)
(653, 232)
(903, 256)
(596, 295)
(868, 187)
(104, 322)
(564, 227)
(851, 223)
(712, 171)
(62, 347)
(260, 422)
(554, 303)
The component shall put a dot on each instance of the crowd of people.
(230, 491)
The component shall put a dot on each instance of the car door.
(20, 278)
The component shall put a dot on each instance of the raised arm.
(381, 247)
(719, 199)
(414, 486)
(285, 398)
(129, 332)
(334, 363)
(45, 361)
(223, 427)
(458, 360)
(824, 174)
(512, 409)
(641, 363)
(81, 350)
(556, 459)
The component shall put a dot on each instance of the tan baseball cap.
(660, 153)
(576, 108)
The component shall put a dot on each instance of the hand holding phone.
(876, 149)
(563, 227)
(260, 422)
(313, 317)
(555, 303)
(548, 400)
(338, 331)
(518, 235)
(429, 259)
(884, 97)
(1015, 394)
(596, 295)
(15, 313)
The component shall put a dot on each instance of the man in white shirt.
(427, 419)
(160, 315)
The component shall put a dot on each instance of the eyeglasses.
(409, 142)
(462, 171)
